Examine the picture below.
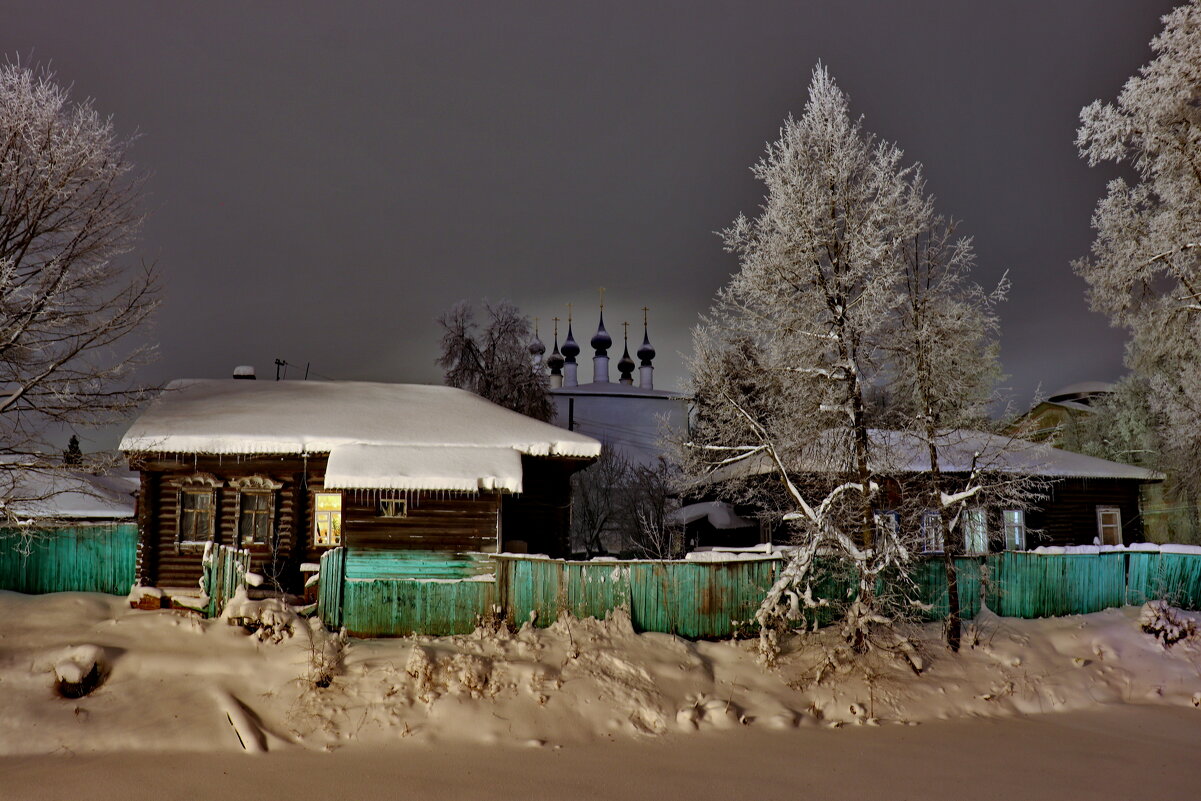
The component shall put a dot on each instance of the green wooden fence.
(706, 599)
(1173, 577)
(224, 571)
(75, 559)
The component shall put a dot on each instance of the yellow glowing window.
(327, 518)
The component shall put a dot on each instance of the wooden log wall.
(165, 562)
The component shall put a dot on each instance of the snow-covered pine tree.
(494, 363)
(1145, 268)
(783, 360)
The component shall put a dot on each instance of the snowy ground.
(583, 694)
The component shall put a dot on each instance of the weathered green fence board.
(75, 559)
(930, 580)
(405, 564)
(698, 599)
(329, 587)
(544, 588)
(1033, 585)
(1173, 577)
(224, 572)
(702, 599)
(392, 607)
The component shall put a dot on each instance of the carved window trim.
(195, 520)
(255, 522)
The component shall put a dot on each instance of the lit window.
(327, 519)
(1015, 529)
(932, 532)
(195, 515)
(393, 507)
(975, 531)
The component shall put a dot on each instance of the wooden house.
(288, 469)
(1086, 499)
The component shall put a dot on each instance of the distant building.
(628, 414)
(1046, 420)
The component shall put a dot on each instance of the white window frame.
(1014, 528)
(258, 487)
(975, 530)
(932, 532)
(332, 518)
(887, 518)
(200, 485)
(1116, 511)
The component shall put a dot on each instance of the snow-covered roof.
(900, 452)
(406, 425)
(420, 467)
(64, 494)
(721, 515)
(618, 390)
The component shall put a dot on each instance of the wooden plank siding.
(435, 522)
(1068, 516)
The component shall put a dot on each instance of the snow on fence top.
(211, 416)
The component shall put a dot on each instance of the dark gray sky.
(328, 177)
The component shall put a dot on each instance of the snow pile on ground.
(171, 681)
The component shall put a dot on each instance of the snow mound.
(175, 682)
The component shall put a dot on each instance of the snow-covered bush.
(79, 671)
(1165, 623)
(270, 619)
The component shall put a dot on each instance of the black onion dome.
(555, 360)
(626, 365)
(570, 348)
(536, 347)
(646, 352)
(601, 341)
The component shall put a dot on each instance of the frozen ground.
(580, 707)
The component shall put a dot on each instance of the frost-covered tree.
(852, 305)
(494, 363)
(783, 360)
(1145, 268)
(69, 212)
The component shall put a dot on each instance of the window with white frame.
(256, 510)
(887, 522)
(197, 507)
(327, 519)
(1109, 525)
(1014, 521)
(932, 532)
(975, 531)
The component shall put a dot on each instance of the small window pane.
(327, 519)
(931, 532)
(393, 507)
(254, 524)
(1015, 529)
(195, 515)
(975, 531)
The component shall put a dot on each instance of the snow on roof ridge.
(221, 416)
